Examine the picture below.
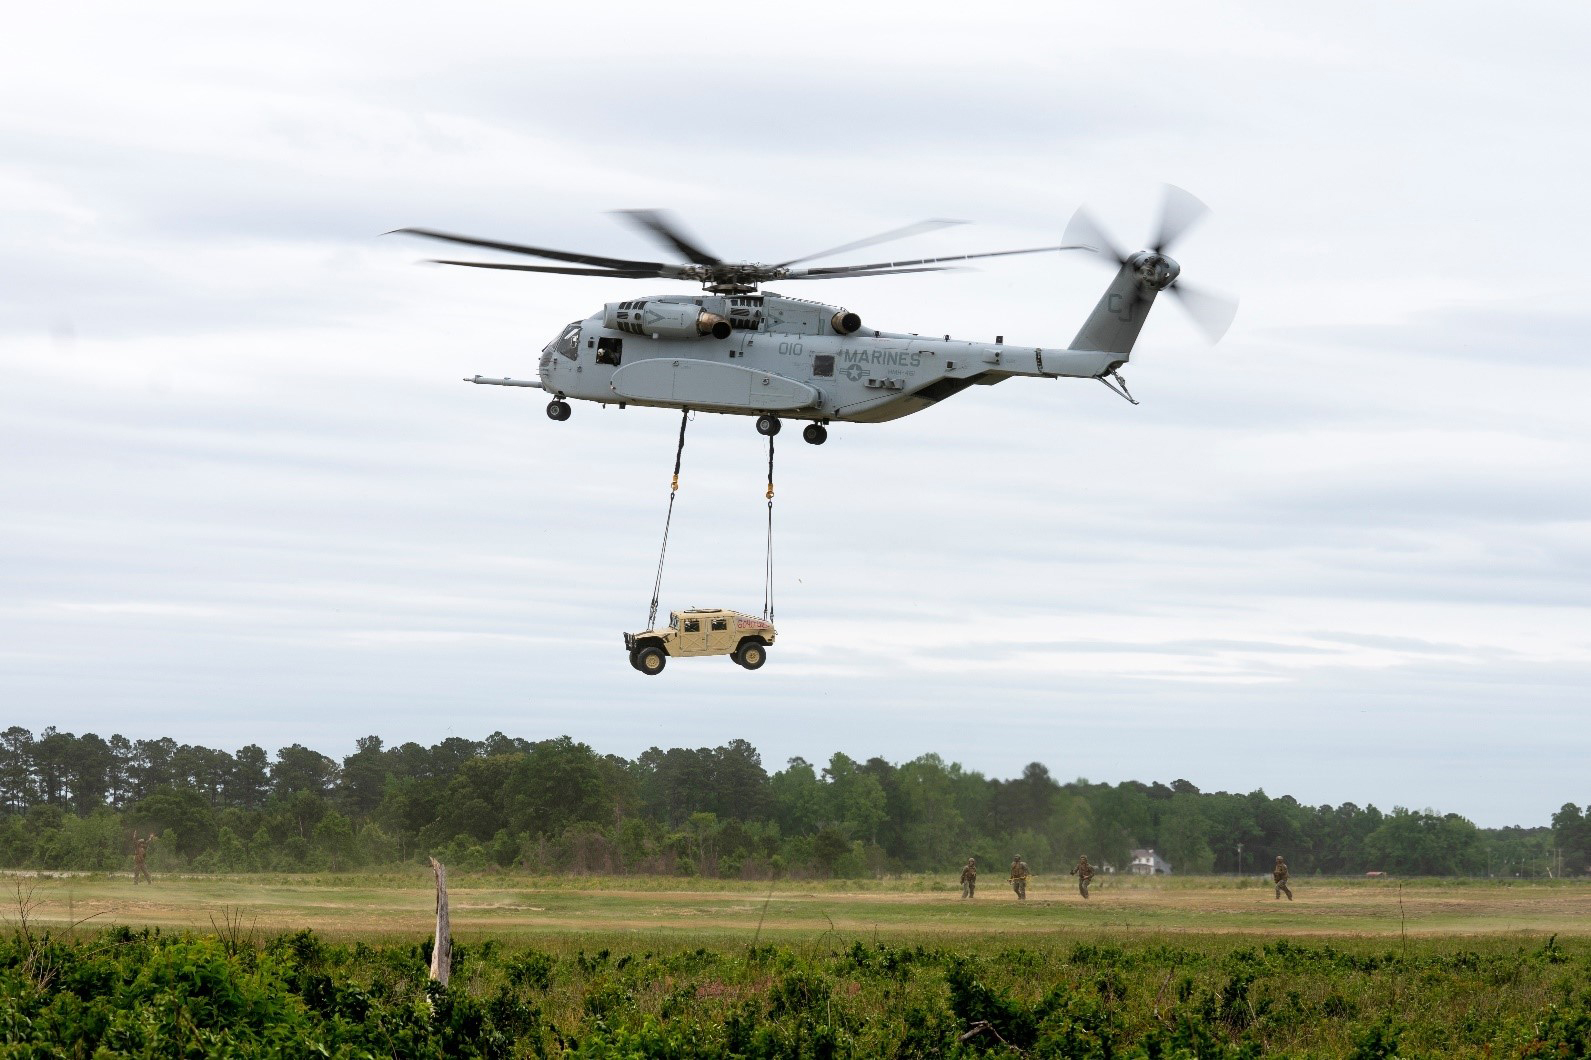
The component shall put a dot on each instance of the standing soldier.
(969, 878)
(1279, 874)
(140, 852)
(1084, 872)
(1019, 877)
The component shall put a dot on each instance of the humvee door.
(720, 638)
(692, 638)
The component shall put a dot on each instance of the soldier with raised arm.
(1019, 877)
(1279, 874)
(140, 852)
(969, 878)
(1084, 873)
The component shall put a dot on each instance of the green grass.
(502, 905)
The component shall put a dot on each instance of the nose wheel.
(815, 433)
(768, 424)
(558, 410)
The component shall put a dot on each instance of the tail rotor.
(1155, 270)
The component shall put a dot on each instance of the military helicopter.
(738, 350)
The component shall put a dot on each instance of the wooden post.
(442, 948)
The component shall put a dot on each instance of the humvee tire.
(633, 660)
(752, 653)
(651, 660)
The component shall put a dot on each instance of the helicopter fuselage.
(737, 350)
(782, 357)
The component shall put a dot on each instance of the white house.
(1148, 863)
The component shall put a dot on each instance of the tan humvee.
(701, 631)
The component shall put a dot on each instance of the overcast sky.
(1343, 555)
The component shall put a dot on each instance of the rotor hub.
(1155, 270)
(733, 276)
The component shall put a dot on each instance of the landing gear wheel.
(650, 661)
(558, 410)
(815, 433)
(768, 424)
(752, 654)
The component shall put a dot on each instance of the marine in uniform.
(1084, 872)
(1279, 874)
(1019, 877)
(140, 852)
(969, 878)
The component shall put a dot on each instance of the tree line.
(557, 805)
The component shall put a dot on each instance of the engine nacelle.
(845, 322)
(664, 320)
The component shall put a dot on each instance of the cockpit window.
(566, 344)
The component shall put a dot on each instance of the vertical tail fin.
(1114, 324)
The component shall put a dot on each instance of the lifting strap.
(767, 578)
(673, 491)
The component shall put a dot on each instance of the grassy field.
(504, 907)
(638, 967)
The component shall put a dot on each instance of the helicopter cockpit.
(567, 343)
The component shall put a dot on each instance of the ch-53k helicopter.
(737, 350)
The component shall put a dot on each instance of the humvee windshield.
(673, 621)
(566, 344)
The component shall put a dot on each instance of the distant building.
(1148, 863)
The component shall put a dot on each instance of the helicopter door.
(692, 637)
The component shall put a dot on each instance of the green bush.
(123, 992)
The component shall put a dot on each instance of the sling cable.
(673, 491)
(767, 578)
(668, 520)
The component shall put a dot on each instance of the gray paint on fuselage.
(877, 376)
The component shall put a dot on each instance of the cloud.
(1342, 554)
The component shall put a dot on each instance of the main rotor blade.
(883, 237)
(538, 252)
(561, 270)
(658, 224)
(1179, 211)
(814, 274)
(1084, 229)
(1213, 313)
(841, 270)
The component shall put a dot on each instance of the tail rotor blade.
(1179, 211)
(1213, 313)
(1084, 229)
